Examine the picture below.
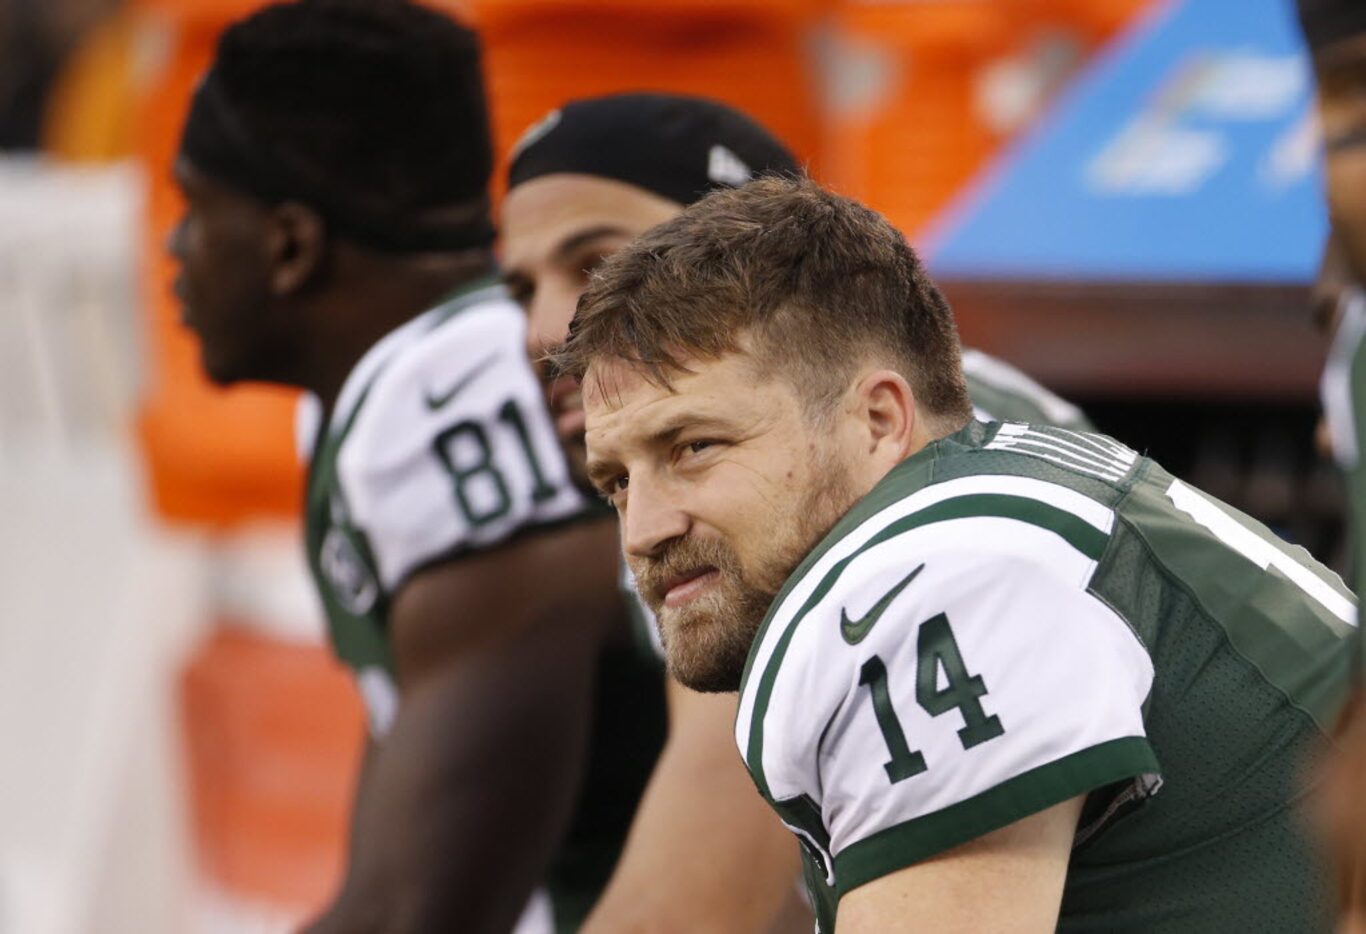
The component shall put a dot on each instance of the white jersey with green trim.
(1020, 615)
(439, 444)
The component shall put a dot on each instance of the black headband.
(674, 146)
(1328, 22)
(217, 142)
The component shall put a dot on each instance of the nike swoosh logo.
(855, 631)
(439, 401)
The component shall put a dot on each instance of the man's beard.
(707, 641)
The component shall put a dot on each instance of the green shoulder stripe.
(1080, 534)
(1029, 793)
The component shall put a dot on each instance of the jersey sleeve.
(452, 449)
(954, 680)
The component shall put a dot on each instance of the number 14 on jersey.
(936, 651)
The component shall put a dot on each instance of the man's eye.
(697, 447)
(611, 492)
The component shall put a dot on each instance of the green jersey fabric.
(440, 446)
(1018, 615)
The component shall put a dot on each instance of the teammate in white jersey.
(583, 182)
(994, 676)
(337, 238)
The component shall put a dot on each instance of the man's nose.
(652, 519)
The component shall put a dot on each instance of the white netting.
(68, 331)
(95, 601)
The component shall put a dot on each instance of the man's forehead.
(610, 384)
(617, 398)
(613, 385)
(557, 205)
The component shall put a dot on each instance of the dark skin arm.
(461, 805)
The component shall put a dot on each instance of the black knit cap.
(1328, 22)
(675, 146)
(371, 112)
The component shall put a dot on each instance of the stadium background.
(178, 743)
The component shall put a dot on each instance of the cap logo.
(725, 168)
(536, 132)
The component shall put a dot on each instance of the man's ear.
(296, 245)
(886, 406)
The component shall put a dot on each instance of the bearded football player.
(994, 676)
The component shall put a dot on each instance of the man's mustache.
(681, 559)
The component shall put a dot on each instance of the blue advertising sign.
(1188, 152)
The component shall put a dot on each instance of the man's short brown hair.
(821, 285)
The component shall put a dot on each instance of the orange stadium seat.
(273, 739)
(753, 54)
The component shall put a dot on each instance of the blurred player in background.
(1336, 33)
(584, 182)
(996, 677)
(337, 238)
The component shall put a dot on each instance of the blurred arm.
(463, 802)
(705, 855)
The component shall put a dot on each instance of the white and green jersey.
(1018, 615)
(440, 446)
